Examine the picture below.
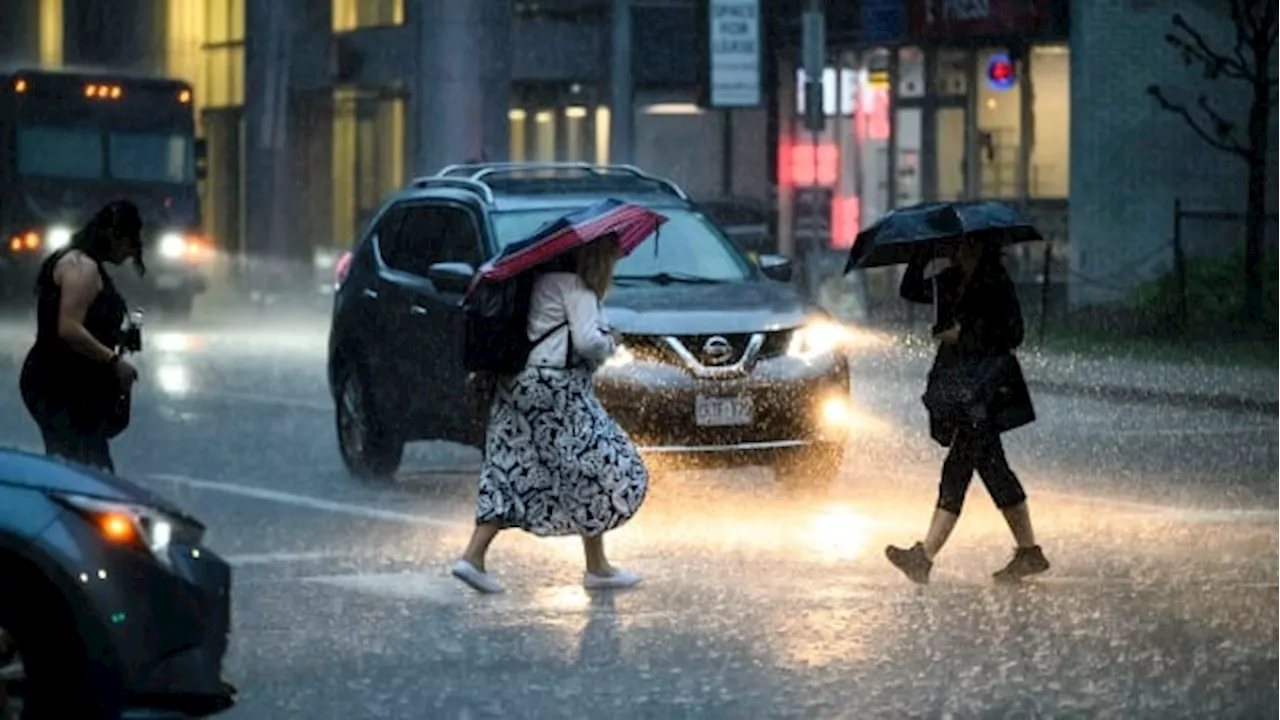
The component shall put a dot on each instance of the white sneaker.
(481, 582)
(618, 580)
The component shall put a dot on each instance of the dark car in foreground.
(110, 604)
(721, 358)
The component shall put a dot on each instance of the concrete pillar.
(462, 87)
(268, 39)
(20, 33)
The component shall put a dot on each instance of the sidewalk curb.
(1228, 402)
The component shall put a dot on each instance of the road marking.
(1193, 432)
(282, 557)
(309, 502)
(259, 398)
(403, 585)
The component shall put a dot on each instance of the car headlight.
(58, 237)
(621, 356)
(172, 246)
(816, 339)
(143, 528)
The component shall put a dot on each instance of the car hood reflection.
(703, 309)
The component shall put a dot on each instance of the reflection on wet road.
(757, 602)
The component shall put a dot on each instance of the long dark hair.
(116, 219)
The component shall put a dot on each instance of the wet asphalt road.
(1160, 521)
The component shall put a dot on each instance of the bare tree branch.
(1215, 63)
(1241, 24)
(1221, 138)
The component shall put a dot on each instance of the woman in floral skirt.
(555, 463)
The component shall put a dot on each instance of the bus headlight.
(58, 237)
(172, 246)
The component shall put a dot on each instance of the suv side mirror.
(776, 267)
(451, 277)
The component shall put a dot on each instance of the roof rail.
(479, 171)
(474, 186)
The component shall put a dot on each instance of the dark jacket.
(991, 328)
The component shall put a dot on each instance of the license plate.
(723, 411)
(168, 282)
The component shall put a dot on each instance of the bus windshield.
(92, 154)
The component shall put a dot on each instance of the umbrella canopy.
(631, 223)
(901, 234)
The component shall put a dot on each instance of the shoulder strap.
(544, 336)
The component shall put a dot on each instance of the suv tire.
(369, 449)
(811, 468)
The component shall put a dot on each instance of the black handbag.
(118, 413)
(962, 390)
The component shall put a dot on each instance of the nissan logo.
(717, 350)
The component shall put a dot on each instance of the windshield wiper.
(668, 278)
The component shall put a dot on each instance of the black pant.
(978, 449)
(63, 439)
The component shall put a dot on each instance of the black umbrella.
(901, 234)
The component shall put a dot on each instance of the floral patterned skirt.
(555, 462)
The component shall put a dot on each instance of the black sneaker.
(911, 562)
(1025, 563)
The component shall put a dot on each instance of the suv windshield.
(688, 247)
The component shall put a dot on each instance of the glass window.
(687, 244)
(999, 124)
(225, 71)
(368, 155)
(1051, 129)
(60, 152)
(224, 22)
(356, 14)
(910, 80)
(152, 157)
(433, 234)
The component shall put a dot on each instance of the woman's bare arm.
(78, 279)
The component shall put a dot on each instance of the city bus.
(70, 142)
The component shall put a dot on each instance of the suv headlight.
(621, 356)
(818, 338)
(142, 528)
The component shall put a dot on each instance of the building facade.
(1042, 103)
(314, 110)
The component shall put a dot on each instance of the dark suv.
(721, 358)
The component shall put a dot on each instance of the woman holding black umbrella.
(975, 392)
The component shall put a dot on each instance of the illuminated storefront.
(950, 105)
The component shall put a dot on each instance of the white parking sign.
(735, 53)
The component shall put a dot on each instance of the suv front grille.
(654, 348)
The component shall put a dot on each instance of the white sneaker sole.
(481, 582)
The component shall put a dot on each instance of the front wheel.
(368, 449)
(814, 467)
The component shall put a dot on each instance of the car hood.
(37, 472)
(706, 309)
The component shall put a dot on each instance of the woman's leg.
(593, 549)
(957, 472)
(481, 537)
(601, 574)
(1007, 493)
(470, 567)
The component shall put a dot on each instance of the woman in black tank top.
(73, 376)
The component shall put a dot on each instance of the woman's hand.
(126, 373)
(950, 336)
